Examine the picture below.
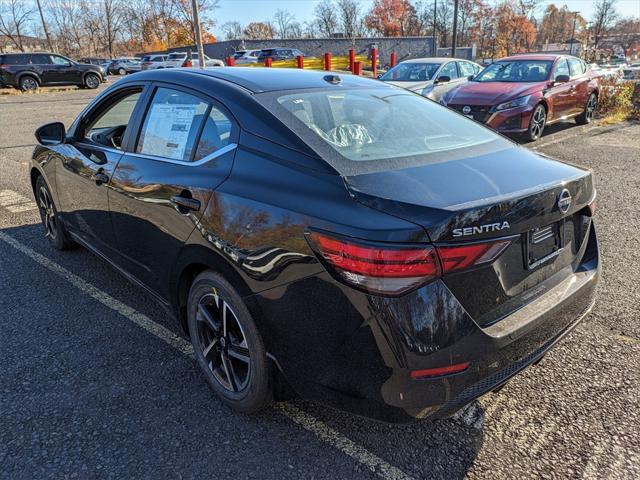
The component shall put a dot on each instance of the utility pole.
(435, 16)
(198, 34)
(44, 26)
(455, 29)
(573, 32)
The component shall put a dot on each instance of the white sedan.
(431, 77)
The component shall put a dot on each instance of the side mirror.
(471, 77)
(379, 76)
(562, 78)
(442, 79)
(51, 134)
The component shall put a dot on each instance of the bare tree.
(326, 17)
(15, 16)
(112, 22)
(283, 20)
(232, 30)
(350, 17)
(605, 14)
(184, 12)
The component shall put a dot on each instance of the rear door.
(184, 150)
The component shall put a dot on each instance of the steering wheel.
(110, 137)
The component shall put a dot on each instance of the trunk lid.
(511, 193)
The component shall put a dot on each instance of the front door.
(561, 93)
(579, 84)
(63, 71)
(158, 192)
(448, 70)
(88, 163)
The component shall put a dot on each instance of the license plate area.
(543, 244)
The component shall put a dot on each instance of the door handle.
(185, 203)
(100, 178)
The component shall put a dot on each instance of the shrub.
(619, 100)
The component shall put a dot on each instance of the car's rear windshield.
(411, 72)
(374, 129)
(175, 56)
(516, 71)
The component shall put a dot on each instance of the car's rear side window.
(40, 59)
(172, 124)
(216, 134)
(15, 59)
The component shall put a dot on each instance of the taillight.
(382, 269)
(391, 269)
(462, 257)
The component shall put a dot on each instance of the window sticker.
(167, 130)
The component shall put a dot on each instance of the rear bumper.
(356, 352)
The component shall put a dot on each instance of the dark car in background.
(524, 93)
(280, 53)
(329, 235)
(28, 71)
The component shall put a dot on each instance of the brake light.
(388, 269)
(392, 269)
(461, 257)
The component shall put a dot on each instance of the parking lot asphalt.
(96, 383)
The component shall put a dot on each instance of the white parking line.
(306, 421)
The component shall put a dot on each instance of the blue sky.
(245, 11)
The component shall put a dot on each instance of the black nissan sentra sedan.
(327, 236)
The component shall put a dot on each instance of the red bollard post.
(327, 61)
(394, 59)
(268, 61)
(231, 62)
(357, 68)
(352, 59)
(300, 61)
(374, 61)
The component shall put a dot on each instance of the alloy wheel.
(591, 107)
(29, 84)
(537, 122)
(48, 213)
(222, 342)
(92, 81)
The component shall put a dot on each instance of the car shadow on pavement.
(124, 398)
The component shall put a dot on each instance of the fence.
(351, 62)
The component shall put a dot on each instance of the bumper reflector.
(439, 371)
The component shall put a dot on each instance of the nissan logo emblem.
(564, 201)
(466, 109)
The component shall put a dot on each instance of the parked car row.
(244, 57)
(515, 95)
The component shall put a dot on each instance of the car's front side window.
(172, 124)
(466, 69)
(575, 66)
(449, 70)
(57, 60)
(109, 124)
(562, 68)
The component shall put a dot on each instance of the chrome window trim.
(221, 151)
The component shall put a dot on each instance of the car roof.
(434, 59)
(258, 80)
(532, 56)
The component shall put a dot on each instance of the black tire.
(122, 71)
(244, 384)
(55, 231)
(28, 83)
(589, 110)
(91, 81)
(537, 123)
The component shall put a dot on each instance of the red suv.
(523, 93)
